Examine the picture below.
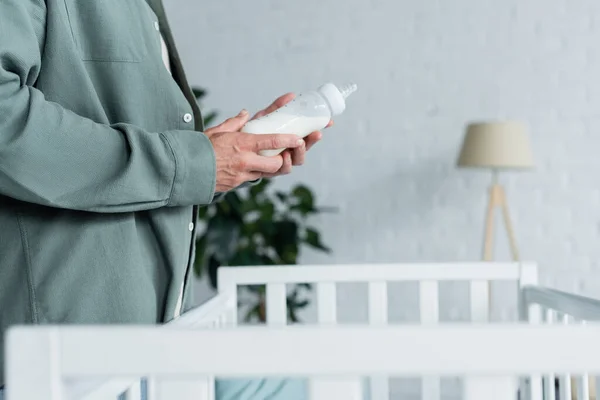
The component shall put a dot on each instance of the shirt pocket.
(109, 30)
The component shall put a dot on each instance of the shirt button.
(156, 26)
(191, 226)
(187, 117)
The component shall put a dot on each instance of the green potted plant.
(258, 226)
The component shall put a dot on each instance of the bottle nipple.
(348, 89)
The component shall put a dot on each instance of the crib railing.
(222, 310)
(428, 275)
(215, 313)
(39, 359)
(538, 306)
(479, 275)
(549, 306)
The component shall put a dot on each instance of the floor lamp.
(496, 146)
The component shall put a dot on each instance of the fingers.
(286, 166)
(274, 142)
(312, 139)
(268, 167)
(278, 103)
(265, 165)
(232, 124)
(297, 155)
(236, 123)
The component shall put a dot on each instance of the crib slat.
(231, 313)
(276, 304)
(565, 388)
(151, 389)
(536, 390)
(429, 309)
(325, 388)
(182, 389)
(490, 388)
(378, 303)
(583, 384)
(340, 388)
(549, 387)
(429, 302)
(583, 387)
(228, 285)
(565, 380)
(480, 301)
(326, 302)
(479, 291)
(378, 315)
(535, 314)
(531, 387)
(134, 392)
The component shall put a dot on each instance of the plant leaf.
(313, 239)
(199, 92)
(254, 312)
(208, 118)
(203, 212)
(282, 196)
(213, 266)
(200, 257)
(266, 260)
(304, 200)
(246, 256)
(285, 241)
(222, 238)
(302, 304)
(292, 316)
(267, 210)
(303, 194)
(231, 205)
(260, 187)
(256, 289)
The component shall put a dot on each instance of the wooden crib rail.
(578, 307)
(325, 278)
(222, 310)
(40, 358)
(550, 306)
(459, 271)
(215, 313)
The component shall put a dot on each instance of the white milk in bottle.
(308, 112)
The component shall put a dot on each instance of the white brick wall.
(423, 68)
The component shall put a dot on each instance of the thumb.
(234, 124)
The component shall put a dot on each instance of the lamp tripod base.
(497, 200)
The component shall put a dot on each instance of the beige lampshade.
(496, 145)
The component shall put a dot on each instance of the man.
(103, 164)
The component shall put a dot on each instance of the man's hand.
(237, 155)
(291, 157)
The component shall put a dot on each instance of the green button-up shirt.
(102, 164)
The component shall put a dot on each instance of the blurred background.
(424, 70)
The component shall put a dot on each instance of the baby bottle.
(308, 112)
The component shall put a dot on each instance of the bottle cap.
(336, 97)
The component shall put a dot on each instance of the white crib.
(180, 362)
